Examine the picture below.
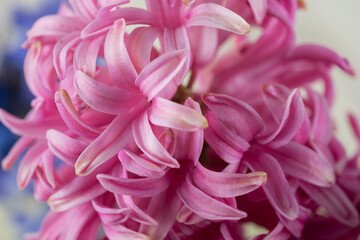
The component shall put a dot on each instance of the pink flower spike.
(206, 206)
(158, 73)
(214, 15)
(139, 187)
(173, 115)
(222, 184)
(117, 59)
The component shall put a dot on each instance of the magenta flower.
(162, 133)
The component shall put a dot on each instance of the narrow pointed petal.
(86, 54)
(111, 216)
(222, 184)
(240, 116)
(29, 164)
(139, 165)
(259, 8)
(104, 98)
(108, 144)
(102, 23)
(64, 147)
(277, 187)
(302, 162)
(204, 44)
(173, 115)
(140, 45)
(17, 149)
(61, 53)
(321, 54)
(206, 206)
(292, 119)
(192, 141)
(224, 140)
(30, 128)
(121, 232)
(140, 187)
(335, 201)
(214, 15)
(71, 116)
(118, 62)
(158, 73)
(149, 144)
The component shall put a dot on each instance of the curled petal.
(102, 97)
(277, 187)
(30, 128)
(235, 113)
(111, 216)
(17, 149)
(71, 116)
(214, 15)
(140, 187)
(222, 184)
(118, 62)
(206, 206)
(102, 23)
(139, 165)
(259, 8)
(64, 147)
(302, 162)
(106, 145)
(158, 73)
(292, 119)
(149, 144)
(173, 115)
(335, 201)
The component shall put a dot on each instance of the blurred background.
(331, 23)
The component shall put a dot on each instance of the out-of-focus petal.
(214, 15)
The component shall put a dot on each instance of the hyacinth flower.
(130, 139)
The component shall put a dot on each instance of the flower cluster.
(171, 123)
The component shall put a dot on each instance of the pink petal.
(140, 187)
(84, 8)
(335, 201)
(111, 216)
(206, 206)
(30, 128)
(29, 163)
(17, 149)
(302, 162)
(86, 54)
(158, 73)
(71, 116)
(102, 23)
(191, 141)
(167, 113)
(139, 165)
(224, 140)
(321, 54)
(222, 184)
(149, 144)
(277, 188)
(214, 15)
(140, 45)
(118, 62)
(64, 147)
(259, 8)
(235, 113)
(62, 57)
(111, 141)
(291, 121)
(104, 98)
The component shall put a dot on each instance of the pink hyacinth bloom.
(163, 134)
